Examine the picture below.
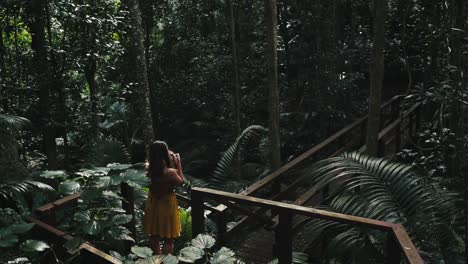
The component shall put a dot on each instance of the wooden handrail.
(314, 150)
(90, 254)
(398, 237)
(59, 204)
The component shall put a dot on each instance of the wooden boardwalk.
(252, 242)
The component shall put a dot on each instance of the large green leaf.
(20, 228)
(118, 166)
(169, 259)
(191, 254)
(142, 252)
(120, 233)
(121, 219)
(53, 174)
(34, 245)
(83, 216)
(203, 241)
(90, 194)
(69, 187)
(73, 243)
(92, 228)
(223, 256)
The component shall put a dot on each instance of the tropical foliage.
(84, 84)
(379, 189)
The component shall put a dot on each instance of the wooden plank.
(46, 208)
(217, 209)
(46, 227)
(93, 255)
(406, 245)
(66, 201)
(311, 212)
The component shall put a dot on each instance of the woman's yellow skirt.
(162, 216)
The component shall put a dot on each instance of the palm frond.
(9, 190)
(15, 123)
(106, 150)
(223, 168)
(379, 189)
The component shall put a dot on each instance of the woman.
(161, 220)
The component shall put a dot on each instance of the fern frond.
(222, 171)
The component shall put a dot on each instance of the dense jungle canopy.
(238, 88)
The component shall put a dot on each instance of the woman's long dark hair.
(158, 159)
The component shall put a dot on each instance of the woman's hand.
(176, 157)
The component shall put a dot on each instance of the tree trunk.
(273, 91)
(457, 109)
(3, 75)
(236, 79)
(88, 46)
(235, 67)
(139, 73)
(37, 23)
(149, 23)
(376, 76)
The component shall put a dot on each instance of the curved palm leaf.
(222, 170)
(379, 189)
(9, 190)
(106, 150)
(15, 123)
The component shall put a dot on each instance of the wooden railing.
(352, 136)
(45, 221)
(398, 244)
(396, 126)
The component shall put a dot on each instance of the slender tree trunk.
(90, 70)
(283, 20)
(235, 66)
(37, 22)
(376, 76)
(457, 119)
(88, 46)
(3, 74)
(273, 91)
(58, 87)
(139, 72)
(149, 22)
(236, 79)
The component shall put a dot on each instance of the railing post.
(47, 217)
(362, 135)
(128, 205)
(198, 213)
(418, 118)
(221, 226)
(398, 137)
(395, 109)
(393, 255)
(410, 125)
(283, 238)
